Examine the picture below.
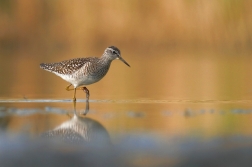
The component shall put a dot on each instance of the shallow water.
(136, 132)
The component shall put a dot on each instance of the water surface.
(137, 132)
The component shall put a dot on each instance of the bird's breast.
(90, 74)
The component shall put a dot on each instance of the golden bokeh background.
(176, 49)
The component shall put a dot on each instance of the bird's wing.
(67, 66)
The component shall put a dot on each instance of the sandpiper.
(84, 71)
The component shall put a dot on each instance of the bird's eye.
(114, 52)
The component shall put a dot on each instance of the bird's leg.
(79, 88)
(74, 98)
(69, 89)
(87, 100)
(87, 92)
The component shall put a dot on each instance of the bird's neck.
(105, 59)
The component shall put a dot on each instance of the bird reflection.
(86, 110)
(79, 130)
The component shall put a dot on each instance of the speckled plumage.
(84, 71)
(66, 67)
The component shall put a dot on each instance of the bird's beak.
(123, 60)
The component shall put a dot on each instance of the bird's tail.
(46, 66)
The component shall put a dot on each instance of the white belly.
(76, 82)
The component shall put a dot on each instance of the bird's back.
(68, 66)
